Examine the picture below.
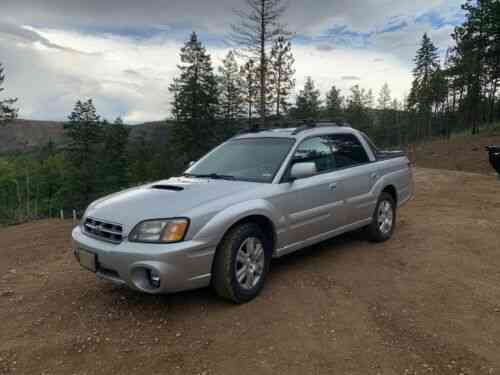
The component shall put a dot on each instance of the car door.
(357, 175)
(309, 204)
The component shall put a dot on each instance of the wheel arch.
(391, 190)
(264, 222)
(259, 211)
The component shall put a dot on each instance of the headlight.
(160, 231)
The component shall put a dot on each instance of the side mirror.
(303, 170)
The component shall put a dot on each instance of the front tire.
(241, 263)
(384, 219)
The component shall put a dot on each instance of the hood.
(164, 199)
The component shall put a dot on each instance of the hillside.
(464, 153)
(25, 135)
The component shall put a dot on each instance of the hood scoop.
(167, 187)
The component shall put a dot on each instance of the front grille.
(103, 230)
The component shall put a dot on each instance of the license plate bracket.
(88, 260)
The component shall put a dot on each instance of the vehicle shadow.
(304, 257)
(205, 299)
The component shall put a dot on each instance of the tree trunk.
(278, 89)
(19, 199)
(493, 92)
(263, 62)
(28, 193)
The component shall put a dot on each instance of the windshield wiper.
(213, 176)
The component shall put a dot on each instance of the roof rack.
(301, 126)
(252, 130)
(307, 126)
(312, 124)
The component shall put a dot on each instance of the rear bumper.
(181, 266)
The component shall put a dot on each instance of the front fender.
(215, 229)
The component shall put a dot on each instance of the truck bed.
(384, 155)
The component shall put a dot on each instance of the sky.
(124, 53)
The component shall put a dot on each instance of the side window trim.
(284, 178)
(370, 147)
(363, 146)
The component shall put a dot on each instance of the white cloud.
(48, 81)
(312, 17)
(329, 68)
(404, 43)
(130, 78)
(49, 68)
(362, 16)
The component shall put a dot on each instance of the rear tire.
(241, 263)
(384, 219)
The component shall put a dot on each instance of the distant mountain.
(23, 135)
(26, 135)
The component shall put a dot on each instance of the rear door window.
(348, 151)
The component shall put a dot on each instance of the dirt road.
(427, 302)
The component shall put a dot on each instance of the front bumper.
(181, 266)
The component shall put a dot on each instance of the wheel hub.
(385, 217)
(249, 265)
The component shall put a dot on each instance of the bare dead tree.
(258, 27)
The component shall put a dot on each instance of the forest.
(453, 91)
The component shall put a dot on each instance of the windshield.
(248, 159)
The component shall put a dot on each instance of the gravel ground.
(426, 302)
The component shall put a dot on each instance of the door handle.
(333, 186)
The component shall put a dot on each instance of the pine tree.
(230, 89)
(476, 61)
(249, 78)
(396, 105)
(357, 111)
(385, 116)
(257, 29)
(84, 133)
(369, 99)
(7, 112)
(333, 104)
(281, 67)
(492, 57)
(384, 98)
(357, 98)
(426, 64)
(269, 94)
(196, 87)
(426, 61)
(139, 157)
(195, 102)
(113, 162)
(308, 102)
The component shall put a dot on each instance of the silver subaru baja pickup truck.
(258, 196)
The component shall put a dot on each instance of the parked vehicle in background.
(494, 156)
(257, 196)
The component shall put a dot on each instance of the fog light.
(154, 279)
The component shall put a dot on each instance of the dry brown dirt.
(462, 153)
(426, 302)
